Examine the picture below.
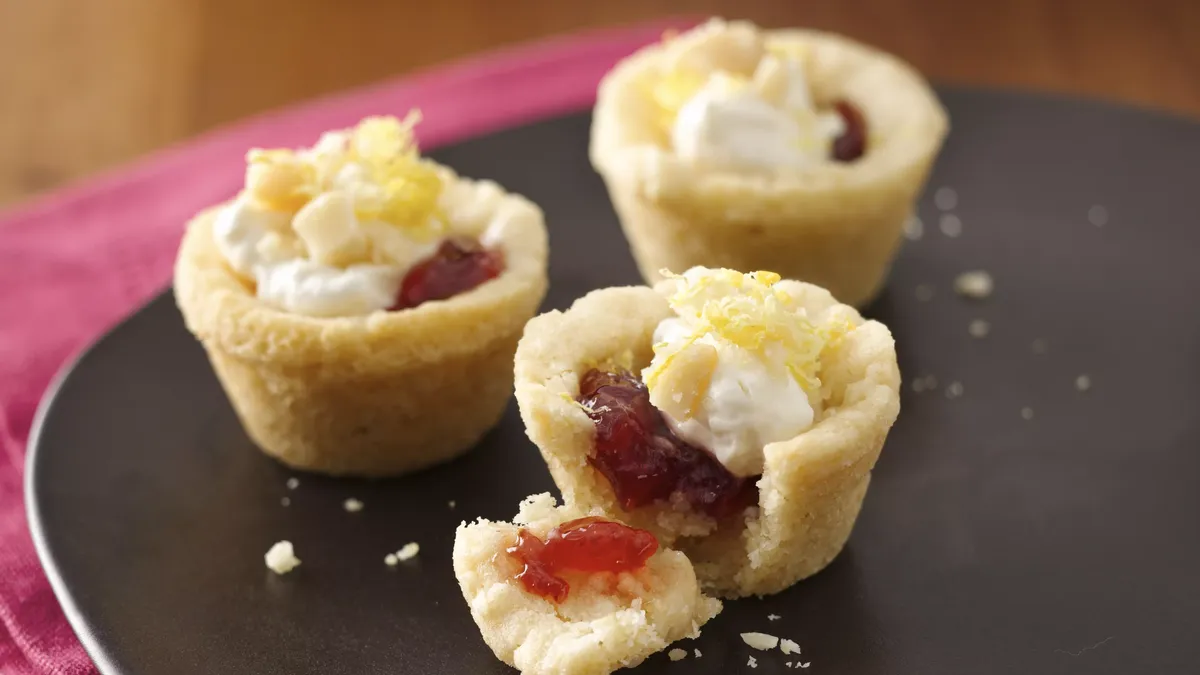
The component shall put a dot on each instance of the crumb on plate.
(950, 225)
(975, 284)
(281, 558)
(408, 551)
(760, 641)
(945, 198)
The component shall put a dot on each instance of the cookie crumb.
(451, 503)
(281, 558)
(1026, 413)
(789, 646)
(293, 483)
(408, 551)
(285, 501)
(760, 641)
(926, 383)
(698, 653)
(950, 225)
(677, 654)
(924, 292)
(803, 665)
(976, 284)
(979, 328)
(1098, 215)
(390, 560)
(946, 198)
(1039, 346)
(954, 390)
(1083, 383)
(753, 663)
(914, 229)
(352, 505)
(773, 617)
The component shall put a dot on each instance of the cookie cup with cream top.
(796, 151)
(361, 305)
(792, 504)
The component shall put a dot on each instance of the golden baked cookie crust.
(812, 486)
(594, 631)
(837, 225)
(379, 394)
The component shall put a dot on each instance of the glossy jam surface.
(583, 545)
(457, 266)
(644, 461)
(853, 142)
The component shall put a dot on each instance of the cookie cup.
(837, 225)
(812, 486)
(607, 622)
(373, 395)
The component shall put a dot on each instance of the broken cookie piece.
(564, 591)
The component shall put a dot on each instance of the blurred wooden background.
(85, 84)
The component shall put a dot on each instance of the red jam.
(458, 265)
(645, 462)
(853, 142)
(583, 545)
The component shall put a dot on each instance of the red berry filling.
(853, 142)
(644, 461)
(584, 545)
(457, 266)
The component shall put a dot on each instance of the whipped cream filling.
(750, 402)
(306, 287)
(762, 122)
(257, 243)
(728, 368)
(331, 230)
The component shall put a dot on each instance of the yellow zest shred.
(411, 186)
(750, 311)
(403, 188)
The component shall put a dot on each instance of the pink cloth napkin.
(74, 262)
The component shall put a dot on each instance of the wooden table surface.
(86, 84)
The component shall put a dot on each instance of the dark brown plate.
(1067, 543)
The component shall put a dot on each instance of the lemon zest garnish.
(411, 186)
(402, 189)
(750, 311)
